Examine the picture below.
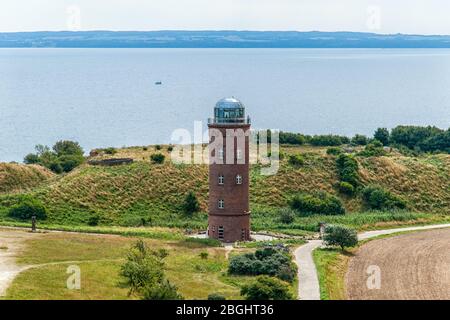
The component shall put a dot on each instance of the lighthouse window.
(238, 179)
(221, 179)
(239, 154)
(220, 229)
(221, 204)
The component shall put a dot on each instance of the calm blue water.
(107, 97)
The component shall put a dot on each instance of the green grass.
(100, 257)
(332, 265)
(128, 195)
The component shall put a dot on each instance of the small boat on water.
(158, 83)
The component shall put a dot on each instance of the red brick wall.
(235, 216)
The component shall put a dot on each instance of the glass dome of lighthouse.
(230, 111)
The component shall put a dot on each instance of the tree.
(31, 158)
(382, 135)
(340, 236)
(162, 291)
(66, 147)
(359, 140)
(266, 288)
(191, 203)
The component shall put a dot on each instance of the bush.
(328, 140)
(266, 288)
(56, 167)
(377, 198)
(110, 150)
(287, 216)
(65, 156)
(291, 138)
(191, 203)
(31, 158)
(144, 274)
(340, 236)
(296, 160)
(158, 147)
(70, 162)
(27, 208)
(382, 135)
(93, 220)
(334, 151)
(158, 158)
(317, 203)
(346, 188)
(161, 291)
(268, 261)
(216, 296)
(204, 255)
(359, 140)
(373, 149)
(347, 168)
(170, 148)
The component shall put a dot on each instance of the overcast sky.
(382, 16)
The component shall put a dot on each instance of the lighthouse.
(228, 208)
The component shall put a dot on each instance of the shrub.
(144, 274)
(268, 261)
(70, 162)
(191, 203)
(266, 288)
(359, 140)
(377, 198)
(346, 188)
(340, 236)
(158, 147)
(216, 296)
(93, 220)
(382, 135)
(373, 149)
(347, 168)
(204, 255)
(287, 216)
(110, 150)
(56, 167)
(170, 148)
(161, 291)
(291, 138)
(27, 208)
(328, 140)
(31, 158)
(335, 151)
(296, 160)
(317, 203)
(158, 158)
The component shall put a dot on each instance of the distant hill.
(218, 39)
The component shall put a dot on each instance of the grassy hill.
(19, 178)
(127, 195)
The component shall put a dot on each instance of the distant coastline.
(218, 39)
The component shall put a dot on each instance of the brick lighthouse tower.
(229, 211)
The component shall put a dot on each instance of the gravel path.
(412, 266)
(11, 242)
(307, 274)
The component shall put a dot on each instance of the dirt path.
(11, 243)
(412, 266)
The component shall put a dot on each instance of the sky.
(380, 16)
